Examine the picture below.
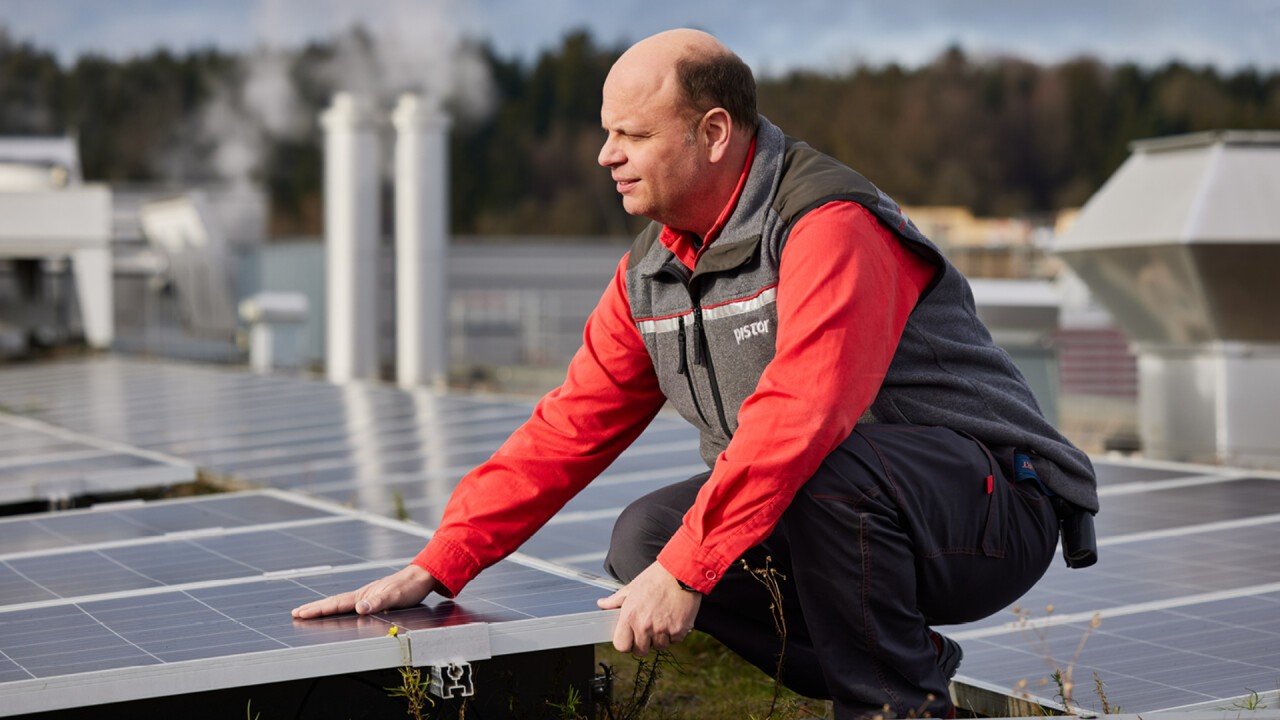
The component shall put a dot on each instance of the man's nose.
(610, 155)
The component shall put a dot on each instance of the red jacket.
(842, 305)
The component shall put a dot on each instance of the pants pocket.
(951, 491)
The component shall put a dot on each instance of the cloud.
(123, 28)
(810, 33)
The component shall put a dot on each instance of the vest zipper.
(701, 355)
(682, 368)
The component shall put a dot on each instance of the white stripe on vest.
(738, 307)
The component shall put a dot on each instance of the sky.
(773, 37)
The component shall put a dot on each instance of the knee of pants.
(639, 534)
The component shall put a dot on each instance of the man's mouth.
(625, 185)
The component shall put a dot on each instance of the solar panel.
(113, 604)
(134, 520)
(1185, 570)
(1186, 593)
(371, 446)
(1117, 472)
(39, 462)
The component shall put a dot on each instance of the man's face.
(654, 156)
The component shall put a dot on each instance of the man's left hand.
(656, 611)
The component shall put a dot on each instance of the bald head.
(700, 71)
(668, 47)
(675, 147)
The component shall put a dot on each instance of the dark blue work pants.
(899, 530)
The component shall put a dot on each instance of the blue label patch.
(1026, 471)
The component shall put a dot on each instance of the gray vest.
(710, 332)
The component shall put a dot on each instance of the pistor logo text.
(756, 328)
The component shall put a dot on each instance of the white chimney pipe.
(351, 239)
(422, 232)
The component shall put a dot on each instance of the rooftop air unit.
(1182, 245)
(47, 212)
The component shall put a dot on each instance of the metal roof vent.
(1182, 244)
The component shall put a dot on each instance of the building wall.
(521, 303)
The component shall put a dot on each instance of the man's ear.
(717, 131)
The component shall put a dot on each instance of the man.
(860, 426)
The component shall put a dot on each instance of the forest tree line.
(1001, 136)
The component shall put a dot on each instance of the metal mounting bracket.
(452, 679)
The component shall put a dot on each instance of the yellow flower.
(394, 631)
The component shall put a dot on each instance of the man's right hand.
(399, 590)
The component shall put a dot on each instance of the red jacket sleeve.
(610, 394)
(845, 289)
